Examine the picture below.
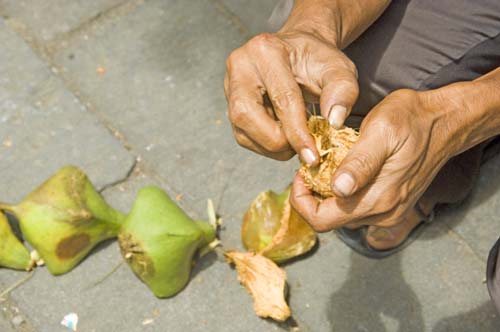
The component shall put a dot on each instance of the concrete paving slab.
(333, 289)
(477, 219)
(5, 325)
(436, 284)
(48, 19)
(44, 127)
(162, 88)
(213, 301)
(156, 75)
(254, 15)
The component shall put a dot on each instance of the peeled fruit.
(272, 228)
(13, 254)
(333, 146)
(64, 218)
(158, 241)
(265, 281)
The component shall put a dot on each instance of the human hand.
(265, 84)
(404, 141)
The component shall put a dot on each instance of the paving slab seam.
(233, 18)
(46, 51)
(111, 14)
(142, 168)
(42, 52)
(459, 238)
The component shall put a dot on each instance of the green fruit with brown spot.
(64, 218)
(158, 241)
(13, 254)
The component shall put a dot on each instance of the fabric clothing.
(424, 44)
(421, 45)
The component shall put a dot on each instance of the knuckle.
(362, 163)
(234, 58)
(319, 227)
(283, 100)
(261, 42)
(277, 144)
(239, 138)
(237, 111)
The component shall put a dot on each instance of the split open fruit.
(272, 228)
(64, 218)
(158, 241)
(333, 146)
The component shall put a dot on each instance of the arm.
(341, 21)
(267, 77)
(404, 141)
(478, 117)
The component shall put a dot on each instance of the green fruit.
(272, 228)
(65, 218)
(12, 252)
(159, 240)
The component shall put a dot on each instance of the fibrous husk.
(272, 228)
(265, 281)
(333, 146)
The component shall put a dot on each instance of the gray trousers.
(426, 44)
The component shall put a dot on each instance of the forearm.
(338, 21)
(476, 111)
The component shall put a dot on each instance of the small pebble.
(17, 320)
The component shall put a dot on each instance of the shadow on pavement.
(374, 296)
(483, 318)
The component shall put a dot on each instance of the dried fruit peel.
(13, 254)
(65, 218)
(333, 146)
(158, 241)
(265, 281)
(272, 228)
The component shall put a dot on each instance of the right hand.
(266, 82)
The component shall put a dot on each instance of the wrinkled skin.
(404, 140)
(265, 80)
(394, 161)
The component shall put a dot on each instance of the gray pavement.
(131, 91)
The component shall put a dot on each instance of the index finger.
(288, 103)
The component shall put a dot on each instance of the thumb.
(360, 166)
(339, 93)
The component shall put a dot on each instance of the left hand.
(404, 141)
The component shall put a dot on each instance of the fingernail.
(337, 116)
(344, 184)
(308, 156)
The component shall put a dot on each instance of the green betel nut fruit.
(13, 254)
(158, 241)
(64, 218)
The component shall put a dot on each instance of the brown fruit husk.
(333, 145)
(272, 228)
(265, 281)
